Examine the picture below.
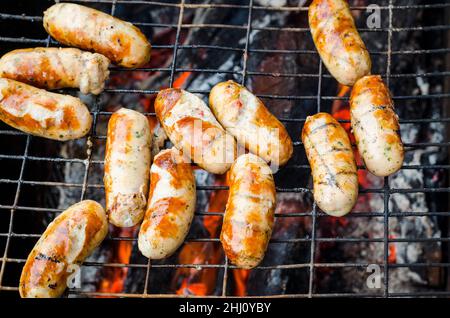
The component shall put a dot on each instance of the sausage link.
(54, 68)
(171, 205)
(41, 113)
(375, 126)
(337, 40)
(245, 117)
(249, 215)
(90, 29)
(65, 244)
(333, 165)
(192, 128)
(127, 165)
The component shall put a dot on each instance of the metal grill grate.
(391, 9)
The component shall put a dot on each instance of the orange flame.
(194, 281)
(392, 256)
(114, 277)
(240, 281)
(202, 282)
(181, 80)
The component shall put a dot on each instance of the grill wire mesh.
(8, 234)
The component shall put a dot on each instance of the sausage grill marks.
(249, 214)
(90, 29)
(54, 68)
(332, 163)
(41, 113)
(171, 205)
(193, 129)
(65, 244)
(375, 126)
(337, 40)
(245, 117)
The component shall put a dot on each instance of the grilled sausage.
(54, 68)
(67, 241)
(127, 165)
(41, 113)
(332, 163)
(89, 29)
(245, 117)
(339, 45)
(249, 214)
(171, 205)
(192, 128)
(375, 126)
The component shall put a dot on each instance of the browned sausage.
(127, 166)
(41, 113)
(333, 165)
(90, 29)
(171, 205)
(244, 116)
(53, 68)
(67, 241)
(337, 40)
(249, 215)
(375, 126)
(192, 128)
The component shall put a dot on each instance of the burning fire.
(113, 280)
(202, 282)
(392, 256)
(114, 277)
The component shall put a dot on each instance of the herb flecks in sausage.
(127, 165)
(375, 126)
(89, 29)
(171, 205)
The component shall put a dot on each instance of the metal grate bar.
(386, 179)
(255, 7)
(312, 252)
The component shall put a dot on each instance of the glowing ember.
(114, 277)
(392, 257)
(181, 80)
(240, 281)
(202, 282)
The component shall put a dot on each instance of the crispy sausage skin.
(333, 165)
(41, 113)
(192, 128)
(54, 68)
(337, 40)
(127, 165)
(171, 205)
(245, 117)
(375, 126)
(89, 29)
(67, 241)
(249, 214)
